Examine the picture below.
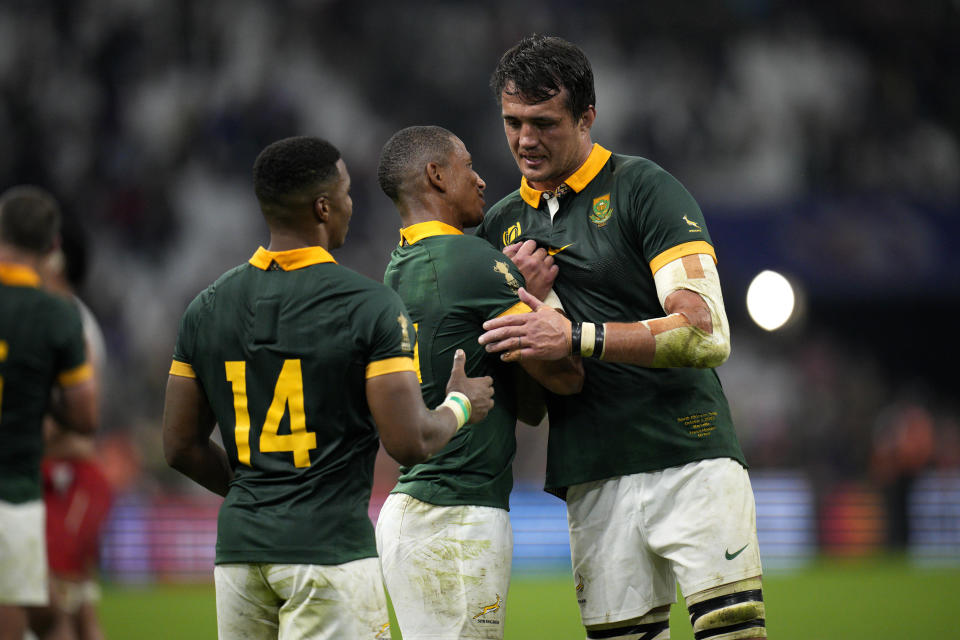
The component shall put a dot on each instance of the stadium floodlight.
(770, 300)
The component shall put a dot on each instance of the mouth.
(533, 162)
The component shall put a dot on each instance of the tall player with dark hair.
(291, 354)
(43, 368)
(646, 456)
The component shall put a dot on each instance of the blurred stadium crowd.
(145, 117)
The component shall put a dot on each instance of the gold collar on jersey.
(417, 232)
(578, 181)
(292, 259)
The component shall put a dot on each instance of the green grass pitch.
(849, 600)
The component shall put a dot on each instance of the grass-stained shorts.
(447, 569)
(23, 554)
(295, 601)
(634, 538)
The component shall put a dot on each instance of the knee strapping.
(735, 615)
(653, 626)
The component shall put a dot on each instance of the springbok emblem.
(696, 227)
(490, 608)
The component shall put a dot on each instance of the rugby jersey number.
(287, 394)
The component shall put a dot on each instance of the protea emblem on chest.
(601, 211)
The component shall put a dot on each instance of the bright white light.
(770, 300)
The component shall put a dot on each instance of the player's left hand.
(537, 266)
(543, 334)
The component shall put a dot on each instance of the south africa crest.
(601, 211)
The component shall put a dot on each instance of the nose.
(481, 184)
(528, 137)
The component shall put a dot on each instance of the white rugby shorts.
(634, 538)
(23, 554)
(447, 569)
(295, 601)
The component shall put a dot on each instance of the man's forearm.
(206, 464)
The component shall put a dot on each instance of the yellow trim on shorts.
(681, 250)
(182, 369)
(390, 365)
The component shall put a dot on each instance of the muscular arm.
(694, 333)
(409, 430)
(75, 407)
(188, 422)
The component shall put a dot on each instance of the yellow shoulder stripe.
(520, 307)
(390, 365)
(76, 375)
(681, 250)
(182, 369)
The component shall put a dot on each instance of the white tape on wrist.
(588, 339)
(459, 403)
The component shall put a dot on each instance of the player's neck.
(430, 213)
(14, 255)
(287, 240)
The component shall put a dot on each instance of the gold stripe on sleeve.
(182, 369)
(76, 375)
(520, 307)
(390, 365)
(681, 250)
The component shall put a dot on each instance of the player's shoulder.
(361, 287)
(503, 206)
(635, 166)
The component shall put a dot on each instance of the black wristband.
(575, 329)
(598, 344)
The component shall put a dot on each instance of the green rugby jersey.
(41, 344)
(452, 283)
(283, 347)
(622, 219)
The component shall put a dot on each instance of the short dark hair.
(29, 218)
(293, 171)
(407, 151)
(540, 67)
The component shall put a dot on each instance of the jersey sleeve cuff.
(182, 369)
(76, 375)
(390, 365)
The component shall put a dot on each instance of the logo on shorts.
(383, 633)
(511, 234)
(601, 211)
(503, 268)
(731, 556)
(581, 599)
(490, 608)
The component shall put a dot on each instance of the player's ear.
(587, 118)
(321, 209)
(435, 176)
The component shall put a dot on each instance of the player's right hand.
(536, 264)
(478, 390)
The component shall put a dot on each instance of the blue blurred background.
(822, 140)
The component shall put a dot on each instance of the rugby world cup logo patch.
(511, 234)
(601, 211)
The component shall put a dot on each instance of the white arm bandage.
(679, 344)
